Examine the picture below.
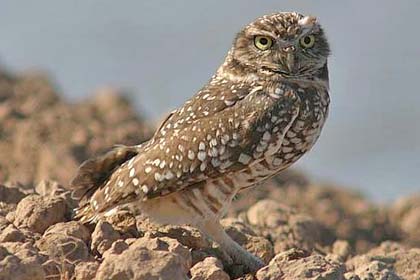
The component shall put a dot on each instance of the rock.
(50, 188)
(130, 241)
(10, 195)
(7, 210)
(237, 228)
(299, 264)
(287, 228)
(405, 213)
(389, 258)
(407, 264)
(342, 249)
(62, 247)
(72, 228)
(410, 225)
(25, 251)
(351, 276)
(244, 236)
(85, 270)
(26, 189)
(13, 267)
(199, 255)
(209, 269)
(3, 223)
(125, 223)
(11, 234)
(312, 228)
(142, 264)
(375, 270)
(64, 252)
(103, 236)
(116, 248)
(37, 213)
(41, 129)
(387, 247)
(165, 244)
(271, 189)
(187, 236)
(260, 247)
(342, 213)
(403, 206)
(58, 269)
(247, 277)
(268, 213)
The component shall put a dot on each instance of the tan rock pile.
(301, 230)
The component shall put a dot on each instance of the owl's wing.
(210, 100)
(220, 143)
(95, 172)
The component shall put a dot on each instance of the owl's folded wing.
(210, 147)
(215, 97)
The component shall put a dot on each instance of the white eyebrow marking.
(307, 22)
(252, 31)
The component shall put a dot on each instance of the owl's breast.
(293, 140)
(306, 129)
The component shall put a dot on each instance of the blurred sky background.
(163, 51)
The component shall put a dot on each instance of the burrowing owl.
(261, 111)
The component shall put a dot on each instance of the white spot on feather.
(244, 158)
(191, 154)
(145, 188)
(201, 155)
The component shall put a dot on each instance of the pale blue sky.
(163, 51)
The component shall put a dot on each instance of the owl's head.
(286, 45)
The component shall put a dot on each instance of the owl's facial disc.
(289, 45)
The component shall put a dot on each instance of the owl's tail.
(93, 174)
(85, 214)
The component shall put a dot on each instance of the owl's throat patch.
(277, 71)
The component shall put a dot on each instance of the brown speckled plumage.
(260, 112)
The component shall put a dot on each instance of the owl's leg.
(215, 231)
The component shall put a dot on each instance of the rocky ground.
(300, 229)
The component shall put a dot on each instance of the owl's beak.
(286, 62)
(289, 59)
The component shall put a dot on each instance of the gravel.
(301, 230)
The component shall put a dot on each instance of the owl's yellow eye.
(263, 42)
(307, 41)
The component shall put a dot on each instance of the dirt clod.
(37, 213)
(300, 230)
(209, 269)
(103, 236)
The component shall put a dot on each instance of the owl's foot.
(251, 262)
(238, 254)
